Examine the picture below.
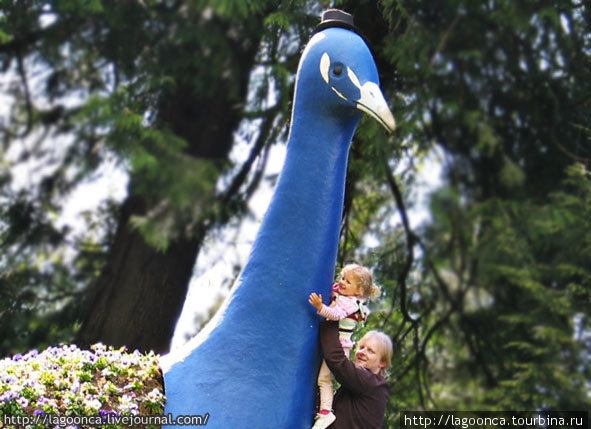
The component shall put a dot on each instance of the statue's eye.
(338, 70)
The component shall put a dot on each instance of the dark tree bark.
(140, 293)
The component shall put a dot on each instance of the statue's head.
(337, 72)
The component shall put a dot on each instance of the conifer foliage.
(157, 89)
(488, 299)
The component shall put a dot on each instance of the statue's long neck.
(297, 243)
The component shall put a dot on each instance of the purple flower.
(32, 354)
(105, 413)
(8, 396)
(17, 357)
(38, 413)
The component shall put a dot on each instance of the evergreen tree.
(488, 302)
(161, 88)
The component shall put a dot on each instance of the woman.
(360, 403)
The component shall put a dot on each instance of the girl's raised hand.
(315, 300)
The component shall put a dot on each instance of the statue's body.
(255, 364)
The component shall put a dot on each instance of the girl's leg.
(325, 384)
(325, 387)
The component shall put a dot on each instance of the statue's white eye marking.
(353, 78)
(338, 93)
(324, 66)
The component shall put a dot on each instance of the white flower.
(42, 401)
(99, 348)
(23, 402)
(128, 405)
(93, 403)
(155, 395)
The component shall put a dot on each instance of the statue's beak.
(372, 102)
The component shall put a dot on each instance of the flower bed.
(66, 381)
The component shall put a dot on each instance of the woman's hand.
(315, 300)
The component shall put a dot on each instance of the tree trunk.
(140, 293)
(141, 290)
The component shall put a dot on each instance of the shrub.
(66, 381)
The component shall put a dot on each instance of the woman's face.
(369, 355)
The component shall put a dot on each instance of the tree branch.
(444, 37)
(418, 360)
(25, 82)
(410, 240)
(246, 167)
(258, 175)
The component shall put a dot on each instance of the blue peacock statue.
(256, 362)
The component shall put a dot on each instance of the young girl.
(348, 307)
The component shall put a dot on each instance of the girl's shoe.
(323, 420)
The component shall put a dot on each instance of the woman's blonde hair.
(386, 349)
(363, 279)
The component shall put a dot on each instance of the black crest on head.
(338, 18)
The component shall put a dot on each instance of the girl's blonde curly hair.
(363, 279)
